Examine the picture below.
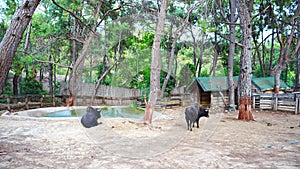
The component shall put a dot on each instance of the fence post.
(8, 102)
(41, 101)
(53, 100)
(297, 105)
(253, 102)
(276, 102)
(259, 102)
(15, 100)
(26, 102)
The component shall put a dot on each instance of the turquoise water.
(106, 112)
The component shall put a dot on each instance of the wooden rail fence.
(28, 101)
(281, 102)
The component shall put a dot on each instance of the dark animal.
(193, 113)
(90, 118)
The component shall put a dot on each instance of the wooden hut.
(211, 92)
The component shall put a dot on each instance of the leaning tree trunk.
(13, 36)
(155, 64)
(178, 33)
(245, 112)
(75, 81)
(50, 71)
(287, 50)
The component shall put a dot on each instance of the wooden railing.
(28, 101)
(281, 102)
(8, 102)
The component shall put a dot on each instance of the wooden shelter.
(211, 92)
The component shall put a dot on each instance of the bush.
(31, 86)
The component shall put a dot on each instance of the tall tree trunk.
(74, 42)
(50, 77)
(194, 49)
(201, 55)
(178, 33)
(16, 80)
(155, 64)
(77, 70)
(297, 82)
(285, 54)
(261, 61)
(231, 51)
(13, 36)
(216, 54)
(277, 79)
(245, 112)
(271, 51)
(18, 73)
(99, 83)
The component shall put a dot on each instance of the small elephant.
(90, 118)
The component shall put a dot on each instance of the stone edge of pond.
(37, 114)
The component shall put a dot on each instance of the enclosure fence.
(108, 95)
(280, 102)
(28, 101)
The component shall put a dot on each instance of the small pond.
(106, 112)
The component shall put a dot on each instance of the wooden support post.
(8, 103)
(53, 101)
(297, 105)
(41, 101)
(26, 102)
(15, 100)
(259, 106)
(253, 101)
(276, 102)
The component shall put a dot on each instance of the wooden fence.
(281, 102)
(107, 95)
(28, 101)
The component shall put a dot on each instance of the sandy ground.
(272, 141)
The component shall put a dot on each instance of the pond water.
(106, 112)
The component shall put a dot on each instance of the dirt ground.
(271, 141)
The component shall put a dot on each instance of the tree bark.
(271, 51)
(194, 50)
(232, 21)
(261, 61)
(297, 84)
(200, 61)
(13, 36)
(231, 51)
(50, 77)
(99, 83)
(155, 64)
(245, 112)
(178, 33)
(77, 70)
(285, 54)
(216, 54)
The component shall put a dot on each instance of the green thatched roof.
(267, 83)
(215, 83)
(220, 83)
